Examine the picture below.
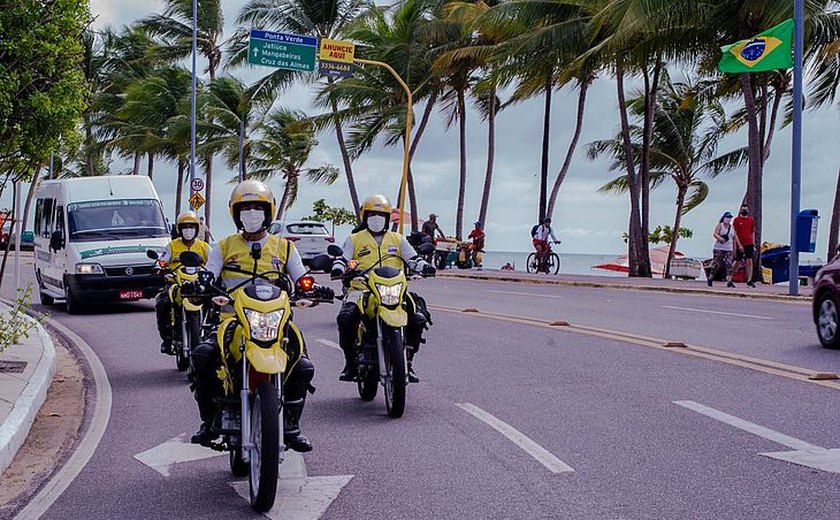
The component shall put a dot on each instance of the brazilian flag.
(770, 50)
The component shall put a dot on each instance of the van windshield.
(115, 220)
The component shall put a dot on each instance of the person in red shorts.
(744, 226)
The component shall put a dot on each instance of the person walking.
(430, 227)
(725, 243)
(204, 231)
(744, 226)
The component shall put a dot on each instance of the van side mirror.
(334, 250)
(190, 259)
(56, 240)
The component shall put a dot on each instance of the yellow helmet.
(251, 191)
(187, 217)
(376, 204)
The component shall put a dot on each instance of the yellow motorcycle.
(187, 312)
(380, 343)
(255, 355)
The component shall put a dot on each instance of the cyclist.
(543, 232)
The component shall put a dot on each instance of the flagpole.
(796, 153)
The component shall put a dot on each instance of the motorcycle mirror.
(334, 250)
(321, 263)
(426, 249)
(190, 259)
(152, 254)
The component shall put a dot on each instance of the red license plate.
(135, 294)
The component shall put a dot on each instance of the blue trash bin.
(778, 261)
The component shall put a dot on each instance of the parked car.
(826, 303)
(311, 238)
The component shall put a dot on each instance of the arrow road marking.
(805, 454)
(543, 456)
(299, 496)
(331, 344)
(719, 313)
(162, 457)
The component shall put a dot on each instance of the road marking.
(720, 313)
(162, 457)
(99, 421)
(543, 456)
(805, 454)
(299, 496)
(331, 344)
(517, 293)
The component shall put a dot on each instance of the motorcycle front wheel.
(238, 467)
(265, 455)
(395, 368)
(368, 385)
(191, 338)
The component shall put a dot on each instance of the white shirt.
(294, 264)
(543, 233)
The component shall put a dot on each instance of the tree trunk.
(754, 174)
(567, 163)
(412, 199)
(771, 129)
(415, 141)
(179, 188)
(208, 190)
(89, 167)
(834, 228)
(136, 169)
(638, 260)
(491, 156)
(345, 158)
(151, 165)
(651, 89)
(675, 231)
(546, 140)
(291, 178)
(462, 177)
(33, 189)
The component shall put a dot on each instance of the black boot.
(292, 437)
(166, 346)
(204, 435)
(350, 371)
(412, 377)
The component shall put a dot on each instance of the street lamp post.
(193, 96)
(796, 153)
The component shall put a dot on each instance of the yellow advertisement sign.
(336, 51)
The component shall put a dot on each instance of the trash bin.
(775, 264)
(806, 230)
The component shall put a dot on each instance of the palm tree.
(285, 143)
(688, 125)
(326, 19)
(173, 29)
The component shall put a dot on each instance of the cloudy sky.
(586, 221)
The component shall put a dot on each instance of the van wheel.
(72, 304)
(46, 299)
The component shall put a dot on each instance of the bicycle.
(550, 262)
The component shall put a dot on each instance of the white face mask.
(376, 223)
(188, 233)
(252, 220)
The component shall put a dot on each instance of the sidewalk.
(773, 292)
(26, 371)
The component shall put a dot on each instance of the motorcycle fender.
(190, 306)
(220, 335)
(173, 292)
(393, 317)
(270, 360)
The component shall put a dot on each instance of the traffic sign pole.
(796, 152)
(193, 94)
(408, 122)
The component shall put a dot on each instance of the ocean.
(571, 263)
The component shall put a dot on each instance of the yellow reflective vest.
(236, 252)
(177, 246)
(369, 254)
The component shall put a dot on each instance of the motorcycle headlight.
(88, 268)
(190, 270)
(390, 294)
(264, 325)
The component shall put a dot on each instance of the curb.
(606, 285)
(15, 428)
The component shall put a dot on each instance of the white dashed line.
(720, 313)
(331, 344)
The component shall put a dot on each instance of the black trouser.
(163, 310)
(348, 322)
(206, 360)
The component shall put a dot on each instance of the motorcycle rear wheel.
(395, 367)
(265, 455)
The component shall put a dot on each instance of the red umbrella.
(395, 217)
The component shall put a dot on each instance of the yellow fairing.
(393, 316)
(267, 359)
(272, 360)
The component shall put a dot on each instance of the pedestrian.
(477, 247)
(744, 226)
(204, 231)
(430, 227)
(725, 243)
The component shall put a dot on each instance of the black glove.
(336, 273)
(428, 270)
(348, 276)
(324, 292)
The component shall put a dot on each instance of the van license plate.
(135, 294)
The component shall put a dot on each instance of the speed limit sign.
(197, 184)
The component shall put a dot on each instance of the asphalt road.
(602, 407)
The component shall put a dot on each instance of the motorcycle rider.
(368, 246)
(252, 207)
(186, 228)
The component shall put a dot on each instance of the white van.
(91, 238)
